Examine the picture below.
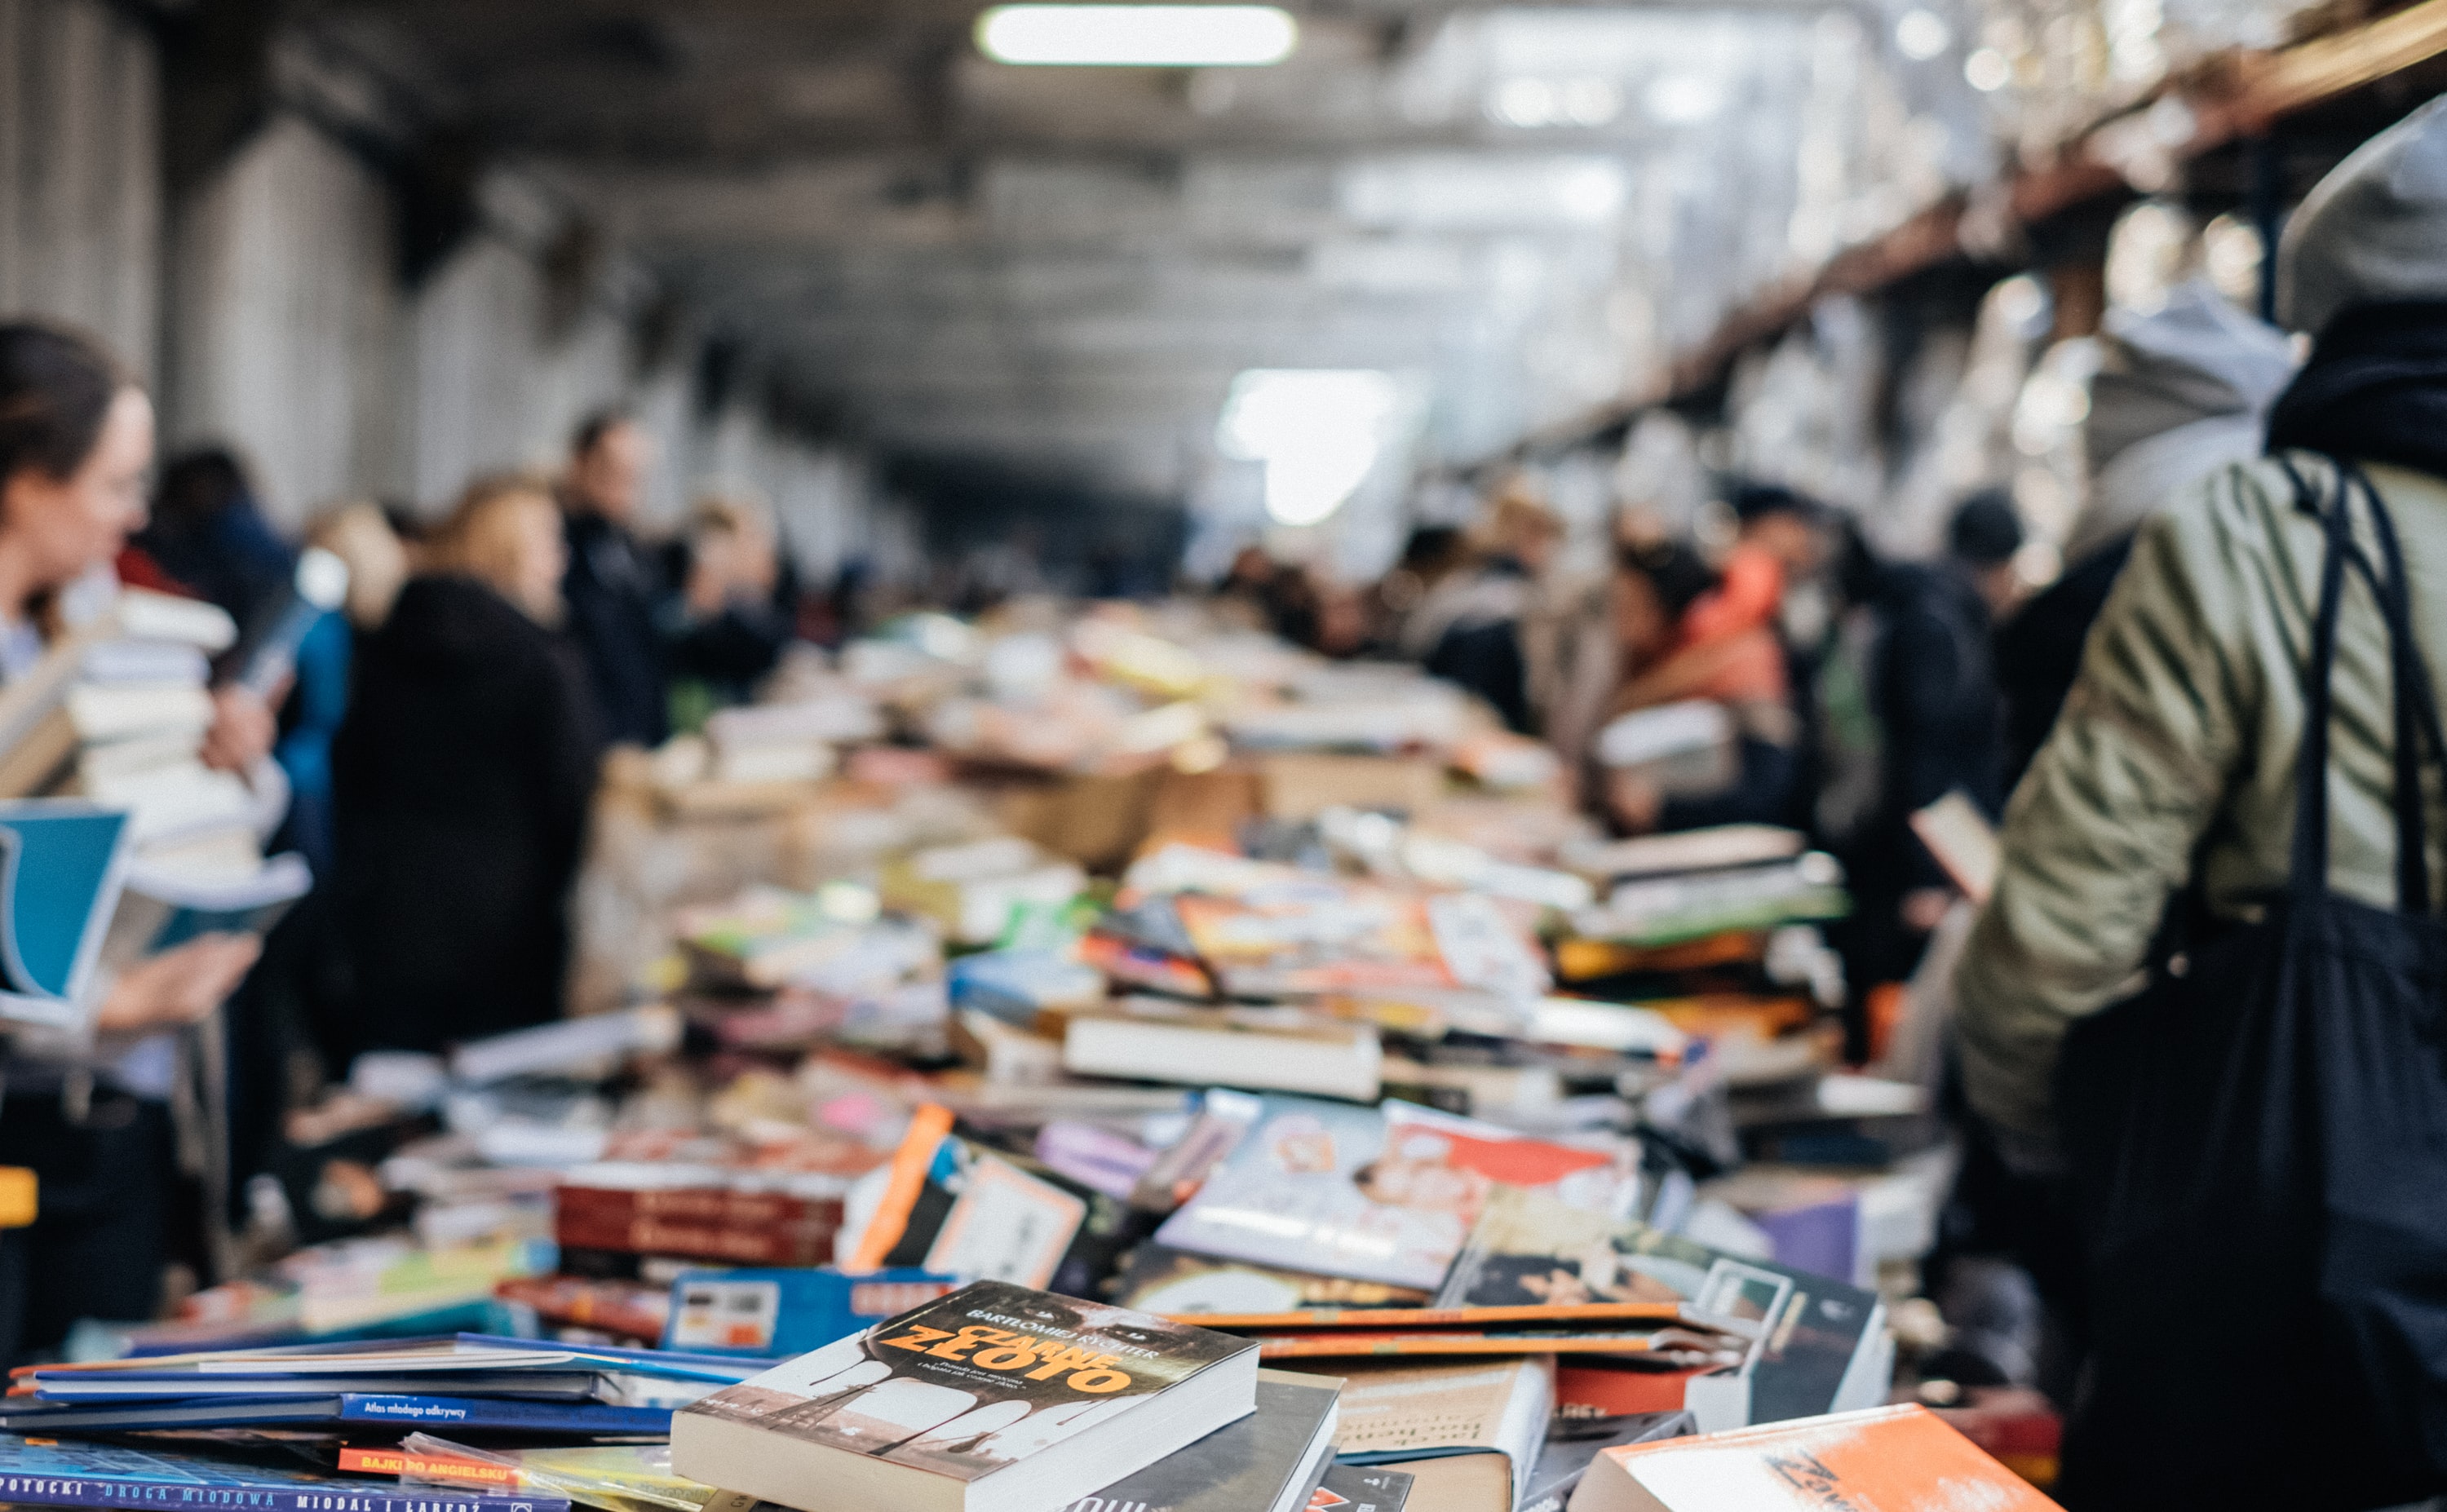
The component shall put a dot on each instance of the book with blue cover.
(42, 1473)
(63, 863)
(121, 1385)
(491, 1413)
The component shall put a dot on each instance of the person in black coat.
(1933, 688)
(613, 586)
(463, 776)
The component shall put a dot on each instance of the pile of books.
(1469, 1151)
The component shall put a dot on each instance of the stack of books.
(468, 1382)
(1373, 1062)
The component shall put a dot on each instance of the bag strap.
(2414, 700)
(2308, 874)
(2417, 728)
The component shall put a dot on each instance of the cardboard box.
(1302, 786)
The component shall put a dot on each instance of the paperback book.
(1377, 1194)
(993, 1399)
(49, 1473)
(1817, 1345)
(1268, 1461)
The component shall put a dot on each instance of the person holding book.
(93, 1120)
(1681, 639)
(462, 775)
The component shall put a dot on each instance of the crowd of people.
(2148, 712)
(1859, 690)
(438, 743)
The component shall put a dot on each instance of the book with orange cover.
(1433, 1317)
(1671, 1349)
(1891, 1459)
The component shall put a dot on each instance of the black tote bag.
(2258, 1152)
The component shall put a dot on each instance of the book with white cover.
(1274, 1049)
(181, 798)
(995, 1398)
(104, 711)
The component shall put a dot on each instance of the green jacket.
(2174, 761)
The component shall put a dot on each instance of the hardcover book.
(993, 1399)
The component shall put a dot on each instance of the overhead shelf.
(2238, 98)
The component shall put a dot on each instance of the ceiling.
(1517, 212)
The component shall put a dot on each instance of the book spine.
(780, 1245)
(498, 1412)
(338, 1496)
(698, 1205)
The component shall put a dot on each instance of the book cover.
(503, 1414)
(1964, 842)
(1669, 910)
(1185, 1286)
(1539, 1314)
(1892, 1459)
(1272, 1047)
(1665, 1348)
(1360, 1488)
(1489, 1411)
(1307, 935)
(577, 1385)
(787, 1311)
(1574, 1442)
(1376, 1194)
(62, 866)
(40, 1472)
(973, 1382)
(1821, 1343)
(1247, 1466)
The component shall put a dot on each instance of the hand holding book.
(179, 987)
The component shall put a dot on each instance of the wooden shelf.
(2236, 98)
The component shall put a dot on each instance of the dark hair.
(198, 485)
(1754, 502)
(1986, 530)
(1673, 569)
(56, 389)
(1433, 547)
(598, 424)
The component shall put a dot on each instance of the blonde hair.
(480, 538)
(357, 533)
(733, 509)
(1517, 516)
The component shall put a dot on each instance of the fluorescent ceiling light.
(1318, 431)
(1138, 36)
(1684, 99)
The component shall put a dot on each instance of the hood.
(2374, 232)
(2197, 357)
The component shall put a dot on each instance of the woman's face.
(541, 557)
(66, 527)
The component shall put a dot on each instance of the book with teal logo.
(62, 865)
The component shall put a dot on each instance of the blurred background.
(961, 315)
